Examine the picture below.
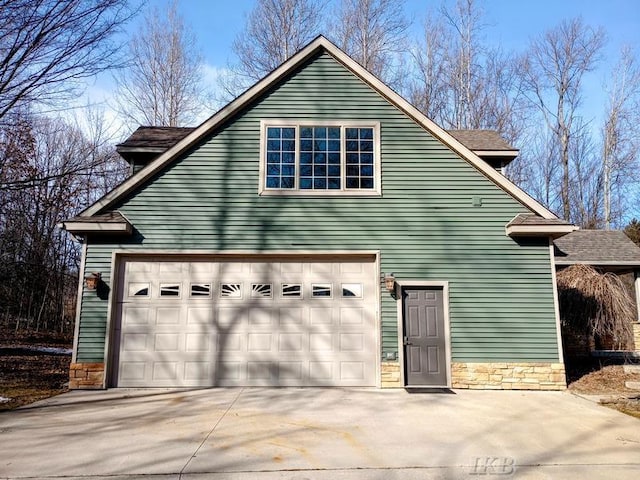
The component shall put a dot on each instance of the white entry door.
(241, 323)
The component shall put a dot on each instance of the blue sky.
(509, 23)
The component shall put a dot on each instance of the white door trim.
(400, 284)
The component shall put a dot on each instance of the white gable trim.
(275, 76)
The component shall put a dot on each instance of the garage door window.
(352, 290)
(139, 290)
(293, 290)
(231, 290)
(261, 290)
(170, 290)
(200, 289)
(322, 290)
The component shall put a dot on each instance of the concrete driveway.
(312, 433)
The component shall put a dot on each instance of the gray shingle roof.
(478, 140)
(109, 217)
(533, 219)
(596, 247)
(155, 137)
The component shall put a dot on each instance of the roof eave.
(274, 77)
(553, 231)
(84, 228)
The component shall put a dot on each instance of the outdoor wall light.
(390, 282)
(92, 280)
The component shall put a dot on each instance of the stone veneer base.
(492, 375)
(86, 376)
(636, 336)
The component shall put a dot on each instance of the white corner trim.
(76, 327)
(85, 227)
(556, 303)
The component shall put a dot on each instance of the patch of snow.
(55, 350)
(4, 400)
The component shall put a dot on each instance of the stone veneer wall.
(86, 376)
(492, 376)
(509, 376)
(636, 336)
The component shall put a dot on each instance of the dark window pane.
(288, 133)
(334, 184)
(366, 146)
(366, 133)
(320, 132)
(306, 158)
(334, 145)
(352, 182)
(319, 183)
(366, 171)
(306, 170)
(273, 132)
(305, 183)
(288, 170)
(352, 158)
(320, 145)
(366, 183)
(320, 158)
(288, 145)
(319, 170)
(273, 157)
(288, 157)
(334, 132)
(273, 182)
(334, 158)
(306, 145)
(352, 146)
(366, 158)
(273, 145)
(273, 169)
(288, 182)
(306, 132)
(353, 171)
(352, 133)
(334, 170)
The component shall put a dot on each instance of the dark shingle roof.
(155, 137)
(109, 217)
(596, 247)
(533, 219)
(479, 140)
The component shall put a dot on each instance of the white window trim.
(284, 123)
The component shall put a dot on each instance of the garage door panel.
(248, 323)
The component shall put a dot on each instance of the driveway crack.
(195, 454)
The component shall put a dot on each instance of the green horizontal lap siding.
(501, 300)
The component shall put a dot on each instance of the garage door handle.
(406, 341)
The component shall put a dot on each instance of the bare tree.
(47, 46)
(553, 70)
(372, 32)
(163, 84)
(274, 30)
(621, 133)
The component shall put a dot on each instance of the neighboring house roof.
(280, 73)
(597, 247)
(528, 224)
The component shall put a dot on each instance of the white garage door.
(236, 323)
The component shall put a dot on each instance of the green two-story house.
(317, 231)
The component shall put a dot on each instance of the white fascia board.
(268, 81)
(90, 227)
(497, 153)
(539, 230)
(604, 263)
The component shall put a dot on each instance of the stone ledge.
(87, 376)
(509, 376)
(390, 375)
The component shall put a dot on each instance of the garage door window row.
(234, 290)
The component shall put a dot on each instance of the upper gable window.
(320, 158)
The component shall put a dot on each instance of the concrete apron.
(298, 433)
